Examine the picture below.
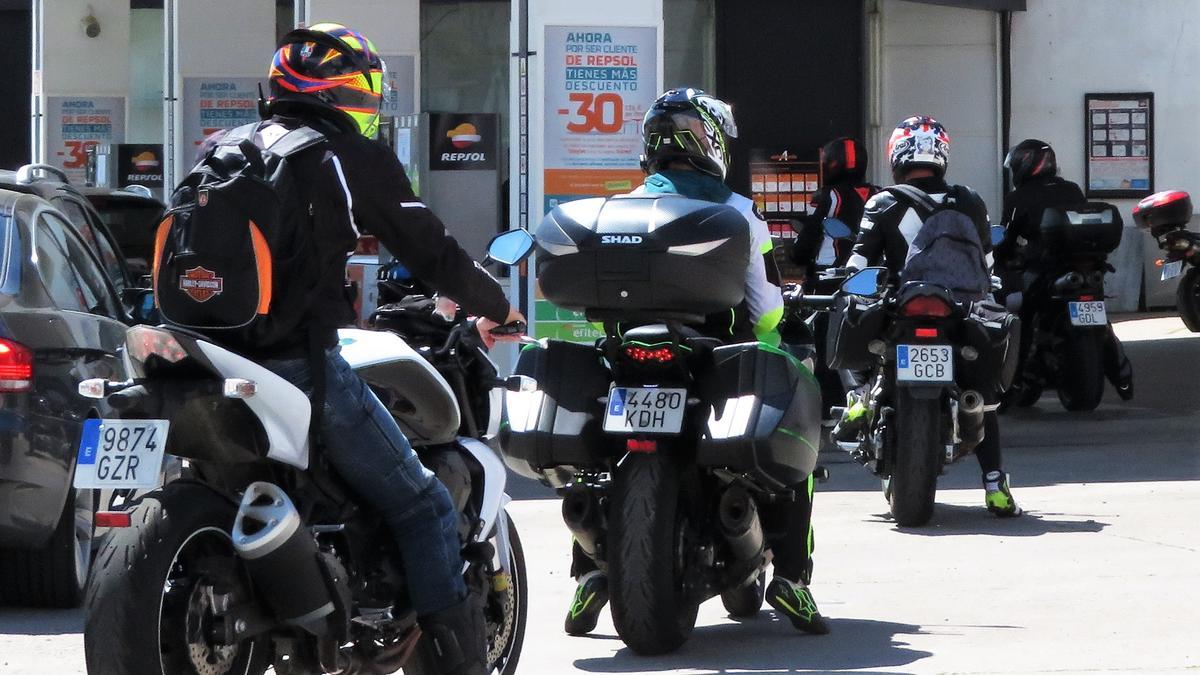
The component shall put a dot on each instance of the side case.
(559, 424)
(852, 326)
(766, 418)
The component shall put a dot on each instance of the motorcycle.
(663, 442)
(260, 555)
(933, 362)
(1166, 216)
(1070, 329)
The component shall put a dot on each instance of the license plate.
(1087, 313)
(924, 363)
(1172, 269)
(120, 453)
(645, 410)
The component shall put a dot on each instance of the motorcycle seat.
(657, 333)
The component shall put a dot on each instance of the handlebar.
(820, 302)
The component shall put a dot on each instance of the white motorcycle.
(259, 556)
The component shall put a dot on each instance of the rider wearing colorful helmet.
(329, 78)
(686, 137)
(919, 152)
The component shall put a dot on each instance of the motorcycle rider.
(919, 151)
(357, 186)
(1036, 187)
(686, 136)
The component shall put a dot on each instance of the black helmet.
(1031, 158)
(843, 158)
(688, 125)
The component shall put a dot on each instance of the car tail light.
(926, 305)
(112, 519)
(16, 367)
(640, 445)
(927, 332)
(643, 354)
(144, 342)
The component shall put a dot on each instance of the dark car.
(131, 215)
(61, 321)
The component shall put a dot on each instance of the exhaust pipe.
(582, 515)
(740, 525)
(281, 556)
(970, 419)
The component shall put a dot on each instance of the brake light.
(927, 332)
(926, 305)
(640, 445)
(16, 367)
(649, 354)
(112, 519)
(144, 342)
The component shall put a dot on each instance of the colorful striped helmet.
(691, 126)
(920, 141)
(331, 66)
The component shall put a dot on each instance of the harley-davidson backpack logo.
(201, 284)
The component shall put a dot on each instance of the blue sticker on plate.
(902, 357)
(617, 405)
(89, 443)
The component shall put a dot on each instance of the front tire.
(56, 574)
(1081, 379)
(1187, 298)
(650, 608)
(911, 489)
(146, 590)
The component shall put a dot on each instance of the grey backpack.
(947, 250)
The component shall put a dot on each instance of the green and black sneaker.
(998, 497)
(794, 600)
(590, 599)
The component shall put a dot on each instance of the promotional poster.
(76, 123)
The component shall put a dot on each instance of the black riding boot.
(458, 638)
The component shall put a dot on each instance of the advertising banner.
(211, 104)
(76, 123)
(399, 92)
(463, 142)
(140, 164)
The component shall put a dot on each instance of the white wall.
(1062, 49)
(939, 61)
(147, 49)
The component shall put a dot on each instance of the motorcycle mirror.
(510, 248)
(836, 229)
(867, 282)
(997, 235)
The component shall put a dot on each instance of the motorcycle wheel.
(745, 601)
(1187, 298)
(1081, 380)
(146, 603)
(911, 488)
(647, 548)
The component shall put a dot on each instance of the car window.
(95, 238)
(78, 217)
(10, 252)
(70, 273)
(132, 223)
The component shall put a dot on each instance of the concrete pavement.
(1101, 575)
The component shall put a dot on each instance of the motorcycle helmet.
(842, 159)
(919, 141)
(331, 67)
(1030, 158)
(688, 125)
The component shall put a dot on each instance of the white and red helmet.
(920, 141)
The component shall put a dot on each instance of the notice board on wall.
(783, 189)
(1119, 145)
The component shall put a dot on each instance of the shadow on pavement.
(765, 644)
(40, 621)
(956, 519)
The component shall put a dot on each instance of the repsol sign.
(464, 157)
(463, 142)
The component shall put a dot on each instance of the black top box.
(633, 256)
(1093, 229)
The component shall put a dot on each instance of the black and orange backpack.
(231, 255)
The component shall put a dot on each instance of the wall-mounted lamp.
(91, 25)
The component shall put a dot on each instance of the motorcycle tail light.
(926, 305)
(1087, 298)
(16, 367)
(644, 354)
(640, 445)
(112, 519)
(144, 342)
(927, 332)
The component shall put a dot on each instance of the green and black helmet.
(688, 125)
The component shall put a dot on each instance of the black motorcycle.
(261, 556)
(663, 440)
(1166, 216)
(928, 363)
(1065, 273)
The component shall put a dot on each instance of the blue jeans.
(364, 444)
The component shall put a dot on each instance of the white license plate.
(1172, 269)
(120, 453)
(924, 363)
(645, 410)
(1087, 313)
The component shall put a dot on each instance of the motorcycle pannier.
(766, 420)
(559, 424)
(996, 335)
(853, 323)
(662, 254)
(1088, 230)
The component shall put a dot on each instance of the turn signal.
(926, 305)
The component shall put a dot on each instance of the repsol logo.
(621, 239)
(464, 157)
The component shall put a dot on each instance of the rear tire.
(911, 489)
(746, 601)
(650, 609)
(56, 574)
(1081, 378)
(1187, 298)
(133, 624)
